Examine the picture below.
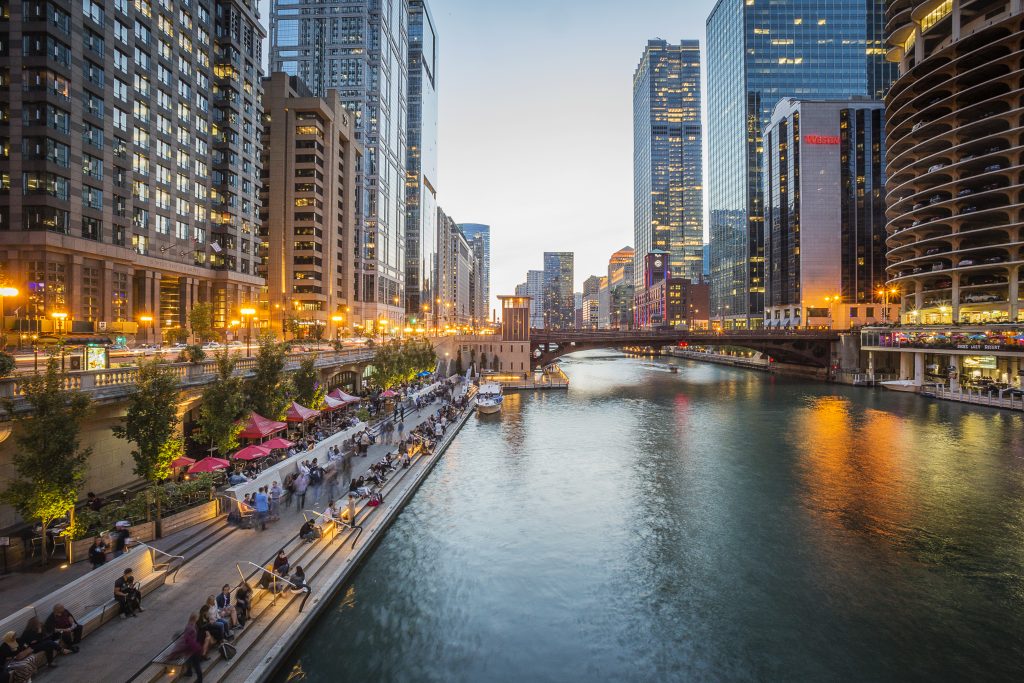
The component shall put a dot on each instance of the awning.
(259, 427)
(388, 394)
(297, 413)
(333, 403)
(252, 453)
(209, 464)
(342, 396)
(787, 322)
(277, 442)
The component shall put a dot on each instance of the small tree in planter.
(200, 319)
(48, 461)
(223, 406)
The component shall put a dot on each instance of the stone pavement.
(121, 647)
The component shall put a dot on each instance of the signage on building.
(821, 139)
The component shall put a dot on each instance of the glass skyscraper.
(559, 302)
(759, 53)
(421, 287)
(360, 48)
(481, 233)
(668, 203)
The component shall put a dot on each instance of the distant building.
(535, 290)
(668, 191)
(577, 311)
(481, 234)
(603, 304)
(590, 304)
(667, 301)
(309, 272)
(559, 308)
(620, 289)
(824, 213)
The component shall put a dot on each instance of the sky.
(536, 122)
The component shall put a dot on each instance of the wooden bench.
(90, 598)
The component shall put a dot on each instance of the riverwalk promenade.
(122, 650)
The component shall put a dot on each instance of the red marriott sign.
(821, 139)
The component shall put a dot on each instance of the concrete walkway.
(121, 647)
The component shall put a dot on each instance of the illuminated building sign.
(821, 139)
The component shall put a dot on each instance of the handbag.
(227, 651)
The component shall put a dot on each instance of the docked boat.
(907, 385)
(489, 398)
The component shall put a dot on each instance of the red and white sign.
(821, 139)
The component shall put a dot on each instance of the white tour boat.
(908, 385)
(489, 398)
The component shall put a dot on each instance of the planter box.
(192, 516)
(143, 533)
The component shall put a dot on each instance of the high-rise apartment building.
(361, 48)
(310, 160)
(421, 166)
(478, 232)
(621, 288)
(559, 304)
(824, 213)
(668, 203)
(535, 290)
(591, 302)
(759, 53)
(130, 162)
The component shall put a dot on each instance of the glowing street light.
(248, 313)
(5, 291)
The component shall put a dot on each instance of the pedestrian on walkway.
(275, 501)
(190, 645)
(262, 506)
(401, 430)
(301, 484)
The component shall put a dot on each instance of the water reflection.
(713, 524)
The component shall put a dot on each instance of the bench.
(90, 598)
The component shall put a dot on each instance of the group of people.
(214, 625)
(39, 645)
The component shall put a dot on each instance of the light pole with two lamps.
(247, 314)
(59, 318)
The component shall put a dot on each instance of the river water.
(715, 524)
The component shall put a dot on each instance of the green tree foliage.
(306, 382)
(223, 407)
(400, 360)
(269, 388)
(49, 464)
(175, 335)
(193, 353)
(6, 363)
(151, 420)
(200, 319)
(316, 331)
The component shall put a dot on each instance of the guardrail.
(171, 573)
(96, 381)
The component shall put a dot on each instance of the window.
(120, 61)
(120, 90)
(92, 197)
(92, 228)
(140, 136)
(142, 59)
(121, 32)
(93, 10)
(163, 225)
(120, 119)
(92, 166)
(181, 230)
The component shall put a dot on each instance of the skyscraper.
(668, 204)
(535, 290)
(421, 166)
(482, 233)
(361, 49)
(130, 162)
(759, 53)
(621, 289)
(559, 304)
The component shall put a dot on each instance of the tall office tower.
(308, 197)
(668, 193)
(480, 303)
(954, 152)
(591, 302)
(535, 290)
(824, 213)
(360, 48)
(482, 234)
(759, 53)
(421, 165)
(129, 164)
(621, 288)
(559, 305)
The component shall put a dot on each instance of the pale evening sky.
(536, 122)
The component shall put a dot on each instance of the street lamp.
(248, 313)
(383, 324)
(147, 321)
(831, 300)
(337, 319)
(58, 318)
(5, 291)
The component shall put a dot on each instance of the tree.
(316, 331)
(175, 335)
(200, 318)
(269, 388)
(49, 464)
(150, 422)
(306, 382)
(223, 407)
(398, 361)
(7, 363)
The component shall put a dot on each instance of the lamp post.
(383, 325)
(58, 318)
(337, 319)
(5, 291)
(248, 313)
(147, 320)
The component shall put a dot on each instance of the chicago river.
(712, 524)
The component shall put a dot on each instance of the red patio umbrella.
(388, 394)
(342, 396)
(277, 442)
(183, 461)
(252, 452)
(297, 413)
(209, 464)
(259, 427)
(332, 404)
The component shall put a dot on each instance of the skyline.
(600, 46)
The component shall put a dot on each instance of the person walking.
(190, 645)
(401, 430)
(262, 506)
(275, 501)
(301, 484)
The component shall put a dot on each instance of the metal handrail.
(305, 590)
(172, 573)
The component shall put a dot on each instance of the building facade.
(130, 163)
(668, 192)
(421, 166)
(590, 305)
(361, 49)
(310, 161)
(759, 53)
(481, 235)
(559, 305)
(620, 289)
(824, 213)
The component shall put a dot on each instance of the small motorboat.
(489, 398)
(907, 385)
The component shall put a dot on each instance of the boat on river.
(901, 385)
(489, 398)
